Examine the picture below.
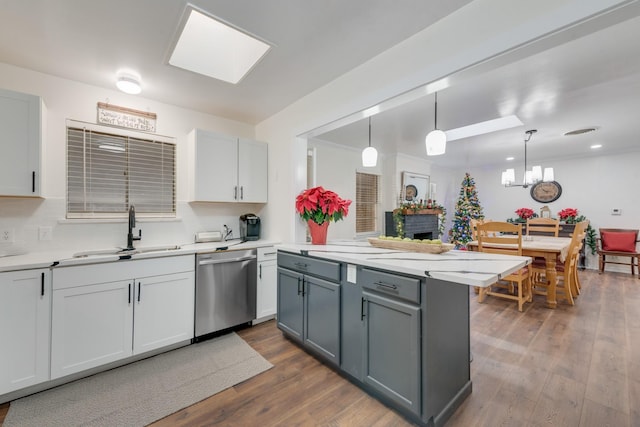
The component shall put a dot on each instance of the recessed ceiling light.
(494, 125)
(509, 158)
(579, 131)
(596, 146)
(213, 48)
(129, 84)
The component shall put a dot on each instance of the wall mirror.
(415, 187)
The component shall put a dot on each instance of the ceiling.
(592, 81)
(313, 43)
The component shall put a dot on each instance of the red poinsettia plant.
(568, 214)
(525, 213)
(320, 205)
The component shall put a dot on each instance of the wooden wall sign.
(126, 117)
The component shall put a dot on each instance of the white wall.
(67, 99)
(594, 186)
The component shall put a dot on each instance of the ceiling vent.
(580, 131)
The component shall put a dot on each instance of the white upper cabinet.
(227, 168)
(21, 141)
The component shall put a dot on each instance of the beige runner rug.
(144, 391)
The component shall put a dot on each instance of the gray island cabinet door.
(290, 303)
(322, 317)
(392, 349)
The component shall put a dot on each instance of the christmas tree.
(467, 208)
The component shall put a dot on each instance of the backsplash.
(25, 217)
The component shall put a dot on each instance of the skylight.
(483, 127)
(212, 48)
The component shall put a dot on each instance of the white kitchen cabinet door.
(215, 174)
(163, 311)
(252, 171)
(227, 169)
(91, 326)
(20, 138)
(267, 287)
(25, 304)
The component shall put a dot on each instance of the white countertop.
(464, 267)
(62, 258)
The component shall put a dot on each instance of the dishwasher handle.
(222, 261)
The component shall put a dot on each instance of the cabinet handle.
(129, 293)
(241, 192)
(42, 284)
(362, 308)
(260, 271)
(386, 285)
(298, 286)
(138, 291)
(33, 181)
(301, 265)
(235, 193)
(303, 287)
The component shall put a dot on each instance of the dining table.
(547, 247)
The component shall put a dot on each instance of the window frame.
(136, 137)
(375, 220)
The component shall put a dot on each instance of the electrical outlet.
(45, 233)
(6, 235)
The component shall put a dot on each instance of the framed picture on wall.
(415, 187)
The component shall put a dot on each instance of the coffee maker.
(249, 227)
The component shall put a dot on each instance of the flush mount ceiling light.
(436, 140)
(369, 154)
(530, 177)
(210, 47)
(129, 84)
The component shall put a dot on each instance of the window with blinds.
(107, 172)
(366, 202)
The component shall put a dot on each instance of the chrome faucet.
(132, 224)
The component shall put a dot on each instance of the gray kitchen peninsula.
(396, 323)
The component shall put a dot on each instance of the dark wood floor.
(572, 366)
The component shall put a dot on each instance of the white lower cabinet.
(267, 286)
(106, 312)
(25, 307)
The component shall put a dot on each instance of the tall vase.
(318, 232)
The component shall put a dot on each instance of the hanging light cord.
(369, 131)
(435, 124)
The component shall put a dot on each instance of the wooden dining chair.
(543, 226)
(568, 285)
(618, 242)
(473, 225)
(505, 238)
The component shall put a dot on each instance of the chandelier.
(530, 176)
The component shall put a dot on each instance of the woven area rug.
(144, 391)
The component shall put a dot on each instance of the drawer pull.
(387, 285)
(301, 265)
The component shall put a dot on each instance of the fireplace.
(418, 226)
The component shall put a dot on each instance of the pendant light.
(530, 176)
(369, 154)
(436, 140)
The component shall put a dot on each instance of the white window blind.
(366, 202)
(108, 172)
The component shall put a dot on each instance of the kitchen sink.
(123, 252)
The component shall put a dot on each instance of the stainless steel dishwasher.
(225, 290)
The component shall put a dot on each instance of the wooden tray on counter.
(410, 246)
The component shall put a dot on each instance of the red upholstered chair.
(618, 242)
